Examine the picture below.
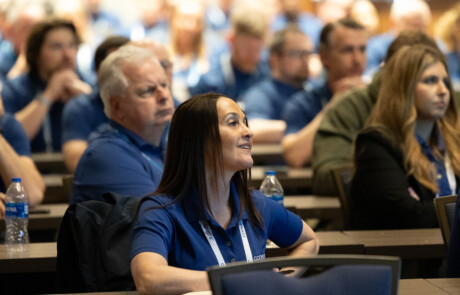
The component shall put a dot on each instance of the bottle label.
(20, 210)
(278, 199)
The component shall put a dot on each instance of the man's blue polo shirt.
(175, 233)
(303, 107)
(117, 160)
(225, 78)
(83, 115)
(453, 60)
(15, 135)
(266, 99)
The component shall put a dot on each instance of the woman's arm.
(152, 275)
(306, 245)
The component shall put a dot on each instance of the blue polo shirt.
(303, 107)
(83, 115)
(175, 233)
(376, 50)
(116, 160)
(18, 93)
(453, 60)
(15, 135)
(225, 78)
(266, 99)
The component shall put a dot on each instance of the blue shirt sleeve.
(153, 231)
(15, 135)
(283, 227)
(74, 126)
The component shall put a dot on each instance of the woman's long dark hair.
(194, 131)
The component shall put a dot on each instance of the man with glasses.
(343, 54)
(290, 49)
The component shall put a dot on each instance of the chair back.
(343, 176)
(445, 210)
(350, 274)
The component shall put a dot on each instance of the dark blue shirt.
(15, 135)
(82, 115)
(303, 107)
(266, 99)
(226, 79)
(175, 233)
(116, 160)
(453, 60)
(443, 182)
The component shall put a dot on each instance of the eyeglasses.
(298, 53)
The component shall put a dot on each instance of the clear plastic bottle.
(272, 188)
(16, 217)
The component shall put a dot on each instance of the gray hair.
(112, 78)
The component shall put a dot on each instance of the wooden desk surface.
(41, 257)
(407, 243)
(309, 206)
(49, 162)
(44, 217)
(289, 177)
(55, 192)
(266, 154)
(429, 286)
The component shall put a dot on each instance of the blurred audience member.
(291, 13)
(20, 18)
(332, 145)
(15, 161)
(447, 29)
(330, 11)
(103, 22)
(404, 15)
(190, 56)
(154, 24)
(38, 96)
(343, 54)
(85, 114)
(365, 13)
(125, 156)
(290, 49)
(409, 151)
(218, 16)
(240, 68)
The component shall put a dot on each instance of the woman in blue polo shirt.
(203, 213)
(409, 151)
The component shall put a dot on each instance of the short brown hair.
(37, 36)
(326, 32)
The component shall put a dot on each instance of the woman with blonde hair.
(408, 153)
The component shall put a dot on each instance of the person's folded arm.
(153, 275)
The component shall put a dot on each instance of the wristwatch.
(43, 100)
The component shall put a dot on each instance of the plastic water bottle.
(16, 217)
(272, 188)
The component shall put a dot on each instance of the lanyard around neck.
(215, 248)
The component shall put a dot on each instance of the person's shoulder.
(260, 90)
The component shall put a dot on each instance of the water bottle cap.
(270, 173)
(18, 179)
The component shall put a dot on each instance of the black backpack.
(94, 245)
